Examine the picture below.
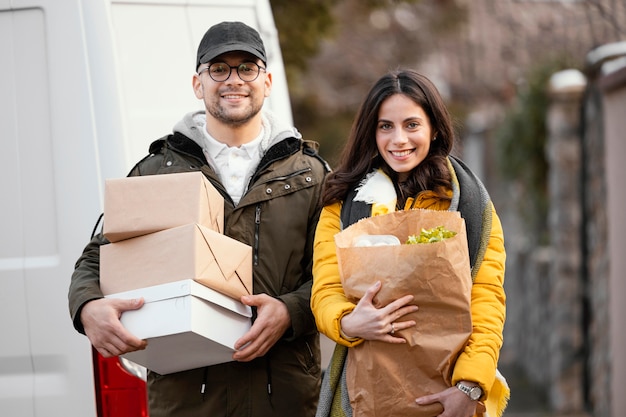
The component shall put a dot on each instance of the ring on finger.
(393, 330)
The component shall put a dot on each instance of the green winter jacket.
(277, 217)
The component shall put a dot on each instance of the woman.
(397, 158)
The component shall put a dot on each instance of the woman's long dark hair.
(360, 155)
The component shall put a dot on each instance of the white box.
(187, 325)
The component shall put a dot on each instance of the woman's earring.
(434, 138)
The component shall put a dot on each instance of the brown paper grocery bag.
(385, 379)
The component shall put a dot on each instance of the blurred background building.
(538, 89)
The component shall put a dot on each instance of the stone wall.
(595, 255)
(563, 153)
(566, 300)
(544, 334)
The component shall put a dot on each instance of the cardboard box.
(187, 325)
(136, 206)
(186, 252)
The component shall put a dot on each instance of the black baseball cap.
(228, 37)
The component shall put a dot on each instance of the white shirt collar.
(214, 147)
(234, 165)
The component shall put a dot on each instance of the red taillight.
(118, 393)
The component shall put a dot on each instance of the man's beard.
(239, 119)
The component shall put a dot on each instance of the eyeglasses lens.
(220, 71)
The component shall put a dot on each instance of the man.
(270, 180)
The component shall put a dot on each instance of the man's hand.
(271, 323)
(101, 321)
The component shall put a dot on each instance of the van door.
(50, 192)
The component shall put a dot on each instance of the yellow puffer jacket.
(478, 361)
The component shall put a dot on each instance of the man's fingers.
(128, 305)
(101, 320)
(104, 352)
(256, 347)
(127, 342)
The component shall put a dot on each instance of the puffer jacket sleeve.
(328, 301)
(478, 361)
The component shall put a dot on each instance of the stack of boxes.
(167, 246)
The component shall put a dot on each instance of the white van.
(85, 86)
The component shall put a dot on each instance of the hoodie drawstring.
(204, 381)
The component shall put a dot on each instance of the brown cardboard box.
(136, 206)
(186, 252)
(187, 326)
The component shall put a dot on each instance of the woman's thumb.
(372, 291)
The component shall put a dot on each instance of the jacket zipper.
(284, 177)
(257, 229)
(257, 214)
(293, 174)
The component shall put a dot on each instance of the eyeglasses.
(220, 71)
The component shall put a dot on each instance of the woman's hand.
(371, 323)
